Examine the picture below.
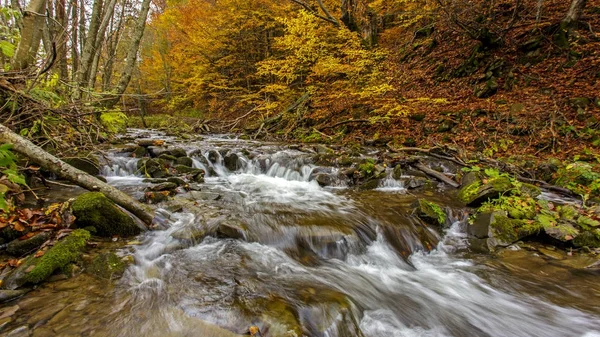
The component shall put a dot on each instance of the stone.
(149, 142)
(477, 192)
(370, 184)
(322, 149)
(22, 331)
(156, 151)
(230, 231)
(152, 167)
(140, 152)
(168, 158)
(96, 210)
(397, 172)
(185, 161)
(9, 295)
(416, 182)
(231, 161)
(155, 197)
(197, 195)
(23, 247)
(177, 180)
(498, 230)
(553, 254)
(177, 152)
(430, 212)
(89, 165)
(213, 156)
(323, 179)
(162, 187)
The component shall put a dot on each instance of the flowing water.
(307, 260)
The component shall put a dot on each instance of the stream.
(297, 259)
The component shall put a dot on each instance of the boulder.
(89, 165)
(498, 230)
(416, 182)
(23, 247)
(231, 161)
(213, 156)
(177, 152)
(106, 266)
(156, 151)
(397, 172)
(140, 152)
(93, 209)
(230, 230)
(185, 161)
(475, 191)
(36, 269)
(430, 212)
(323, 179)
(153, 167)
(166, 186)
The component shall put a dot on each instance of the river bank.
(285, 233)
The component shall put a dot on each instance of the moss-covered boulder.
(185, 161)
(477, 190)
(36, 269)
(93, 209)
(495, 229)
(430, 212)
(153, 167)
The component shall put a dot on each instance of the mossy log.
(68, 172)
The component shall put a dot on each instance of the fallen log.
(78, 177)
(437, 175)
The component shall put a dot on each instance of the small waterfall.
(120, 167)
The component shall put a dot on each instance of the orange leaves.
(34, 220)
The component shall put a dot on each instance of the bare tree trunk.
(575, 12)
(60, 33)
(74, 39)
(31, 35)
(138, 33)
(87, 54)
(66, 171)
(100, 39)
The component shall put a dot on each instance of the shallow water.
(312, 261)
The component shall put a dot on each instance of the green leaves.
(7, 163)
(7, 48)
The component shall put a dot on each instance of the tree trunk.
(138, 33)
(74, 39)
(62, 169)
(87, 54)
(575, 12)
(31, 34)
(60, 31)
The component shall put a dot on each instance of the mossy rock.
(590, 239)
(168, 158)
(89, 165)
(153, 167)
(106, 266)
(478, 191)
(506, 231)
(36, 269)
(370, 184)
(177, 152)
(431, 212)
(140, 152)
(185, 161)
(96, 210)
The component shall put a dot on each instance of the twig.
(440, 176)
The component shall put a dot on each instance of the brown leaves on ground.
(34, 220)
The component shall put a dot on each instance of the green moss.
(468, 192)
(106, 266)
(516, 207)
(511, 230)
(96, 210)
(367, 167)
(432, 210)
(59, 256)
(590, 239)
(114, 122)
(587, 223)
(567, 212)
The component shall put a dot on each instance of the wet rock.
(581, 262)
(397, 172)
(323, 179)
(168, 158)
(502, 231)
(430, 212)
(155, 180)
(140, 152)
(156, 151)
(474, 191)
(89, 165)
(553, 254)
(201, 159)
(416, 182)
(35, 270)
(106, 266)
(346, 161)
(9, 295)
(370, 184)
(22, 247)
(4, 322)
(185, 161)
(197, 195)
(152, 167)
(194, 234)
(213, 156)
(230, 230)
(155, 197)
(167, 186)
(128, 148)
(176, 180)
(177, 152)
(95, 210)
(231, 161)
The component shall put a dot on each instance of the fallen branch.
(439, 176)
(429, 153)
(68, 172)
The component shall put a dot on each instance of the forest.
(351, 141)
